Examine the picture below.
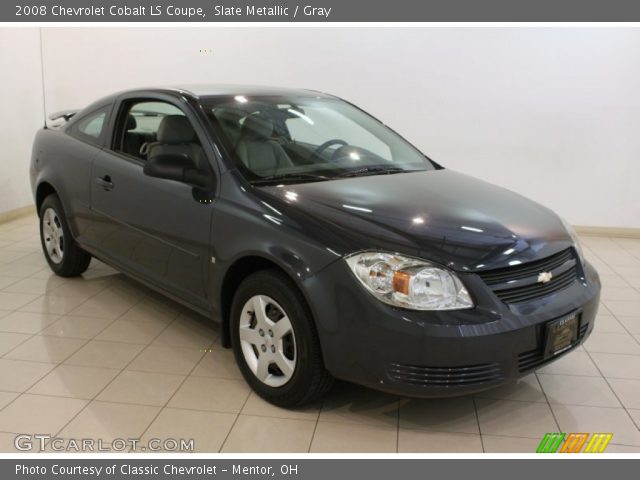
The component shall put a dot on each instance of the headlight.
(574, 236)
(408, 282)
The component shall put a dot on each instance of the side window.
(91, 126)
(151, 125)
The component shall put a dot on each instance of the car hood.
(440, 215)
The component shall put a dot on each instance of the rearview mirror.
(177, 167)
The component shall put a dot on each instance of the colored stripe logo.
(574, 443)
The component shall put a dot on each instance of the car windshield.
(303, 139)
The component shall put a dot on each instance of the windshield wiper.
(372, 171)
(289, 177)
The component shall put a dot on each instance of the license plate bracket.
(561, 334)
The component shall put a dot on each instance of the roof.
(210, 90)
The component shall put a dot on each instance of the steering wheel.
(321, 148)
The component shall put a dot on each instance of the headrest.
(228, 118)
(175, 129)
(257, 127)
(131, 122)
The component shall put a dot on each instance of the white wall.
(21, 112)
(551, 113)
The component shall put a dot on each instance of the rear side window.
(91, 127)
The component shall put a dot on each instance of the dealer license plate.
(561, 335)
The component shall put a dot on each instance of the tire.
(299, 376)
(64, 257)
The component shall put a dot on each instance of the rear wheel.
(275, 341)
(63, 256)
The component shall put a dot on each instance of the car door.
(154, 228)
(87, 134)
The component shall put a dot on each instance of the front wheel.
(63, 256)
(275, 341)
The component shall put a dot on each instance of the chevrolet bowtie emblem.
(545, 277)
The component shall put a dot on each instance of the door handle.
(105, 182)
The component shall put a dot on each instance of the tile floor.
(102, 357)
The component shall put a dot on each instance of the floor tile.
(573, 363)
(628, 391)
(499, 444)
(256, 406)
(574, 390)
(105, 354)
(80, 288)
(598, 419)
(627, 271)
(207, 429)
(211, 394)
(76, 327)
(46, 349)
(26, 322)
(608, 324)
(17, 270)
(13, 301)
(105, 304)
(74, 381)
(218, 362)
(420, 441)
(526, 389)
(166, 359)
(9, 341)
(142, 332)
(612, 343)
(613, 281)
(618, 366)
(38, 414)
(333, 437)
(355, 404)
(514, 418)
(6, 281)
(107, 421)
(153, 310)
(444, 415)
(620, 294)
(635, 415)
(52, 305)
(623, 307)
(18, 376)
(33, 286)
(187, 333)
(143, 388)
(7, 257)
(269, 435)
(632, 324)
(6, 398)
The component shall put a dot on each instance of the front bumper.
(438, 354)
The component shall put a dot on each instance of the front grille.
(519, 283)
(445, 376)
(535, 358)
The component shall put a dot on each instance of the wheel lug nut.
(271, 333)
(264, 348)
(273, 349)
(261, 332)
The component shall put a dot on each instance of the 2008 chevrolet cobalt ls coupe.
(324, 243)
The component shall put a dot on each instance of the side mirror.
(179, 168)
